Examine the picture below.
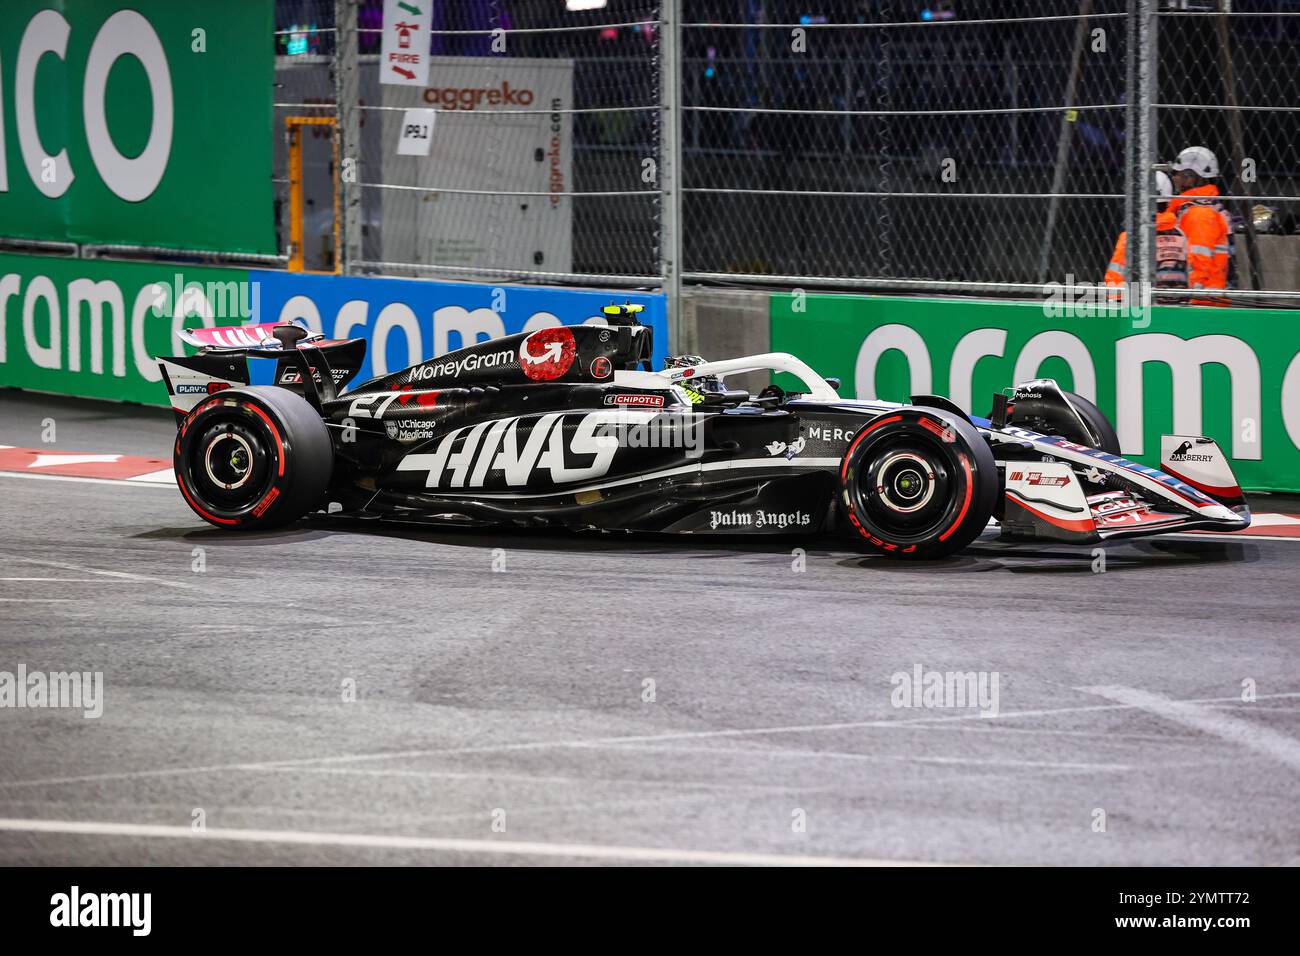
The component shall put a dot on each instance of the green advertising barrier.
(142, 122)
(1231, 374)
(93, 328)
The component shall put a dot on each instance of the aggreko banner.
(142, 122)
(1231, 374)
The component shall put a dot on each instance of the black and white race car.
(569, 427)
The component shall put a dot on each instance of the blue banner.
(405, 321)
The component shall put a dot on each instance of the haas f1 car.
(570, 427)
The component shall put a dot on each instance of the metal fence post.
(670, 182)
(346, 84)
(1141, 88)
(1064, 139)
(1247, 184)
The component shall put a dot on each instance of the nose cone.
(1238, 517)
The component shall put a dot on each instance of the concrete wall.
(720, 324)
(1279, 262)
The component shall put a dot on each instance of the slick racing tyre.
(255, 457)
(918, 483)
(1097, 422)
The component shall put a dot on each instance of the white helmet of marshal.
(1164, 186)
(1199, 160)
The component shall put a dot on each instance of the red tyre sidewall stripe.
(965, 505)
(180, 481)
(844, 468)
(275, 433)
(271, 494)
(195, 412)
(930, 425)
(875, 539)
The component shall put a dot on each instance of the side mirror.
(834, 383)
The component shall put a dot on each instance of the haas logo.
(520, 450)
(547, 353)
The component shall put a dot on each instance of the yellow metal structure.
(294, 125)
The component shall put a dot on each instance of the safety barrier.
(1231, 374)
(92, 328)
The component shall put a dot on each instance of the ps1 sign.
(404, 56)
(417, 132)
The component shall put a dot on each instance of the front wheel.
(918, 483)
(1102, 431)
(256, 457)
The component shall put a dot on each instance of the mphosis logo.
(125, 33)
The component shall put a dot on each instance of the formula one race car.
(568, 426)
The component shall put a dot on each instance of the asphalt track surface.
(518, 697)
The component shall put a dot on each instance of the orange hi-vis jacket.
(1171, 255)
(1208, 228)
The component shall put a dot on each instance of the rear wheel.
(918, 483)
(256, 457)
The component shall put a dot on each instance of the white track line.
(289, 764)
(688, 787)
(164, 476)
(886, 758)
(61, 580)
(94, 481)
(1098, 734)
(589, 851)
(121, 575)
(1254, 737)
(1225, 536)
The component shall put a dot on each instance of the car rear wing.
(306, 362)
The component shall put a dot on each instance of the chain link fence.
(306, 55)
(893, 150)
(977, 146)
(1229, 80)
(545, 149)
